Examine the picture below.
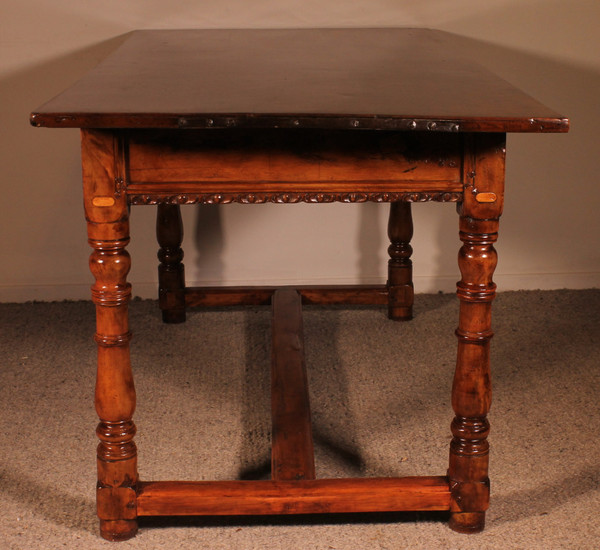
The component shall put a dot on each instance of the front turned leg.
(171, 277)
(471, 390)
(399, 284)
(108, 232)
(115, 393)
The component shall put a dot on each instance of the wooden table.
(286, 116)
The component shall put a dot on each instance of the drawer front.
(296, 163)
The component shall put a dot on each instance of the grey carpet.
(380, 395)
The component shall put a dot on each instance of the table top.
(403, 79)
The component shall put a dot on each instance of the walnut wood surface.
(290, 166)
(399, 283)
(407, 79)
(171, 273)
(471, 390)
(179, 498)
(258, 116)
(108, 233)
(167, 195)
(218, 161)
(292, 449)
(465, 492)
(260, 296)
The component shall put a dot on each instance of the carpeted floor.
(380, 396)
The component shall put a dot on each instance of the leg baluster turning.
(171, 277)
(400, 285)
(108, 232)
(471, 390)
(115, 393)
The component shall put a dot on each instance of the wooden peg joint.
(485, 197)
(103, 201)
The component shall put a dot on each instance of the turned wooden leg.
(400, 285)
(171, 277)
(115, 393)
(471, 390)
(108, 232)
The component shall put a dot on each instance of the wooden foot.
(400, 285)
(118, 530)
(171, 275)
(467, 522)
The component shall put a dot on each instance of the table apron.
(290, 166)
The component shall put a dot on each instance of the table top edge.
(557, 124)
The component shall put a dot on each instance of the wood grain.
(404, 79)
(115, 399)
(297, 497)
(284, 116)
(171, 272)
(399, 283)
(291, 161)
(471, 389)
(220, 296)
(292, 449)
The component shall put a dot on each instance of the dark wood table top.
(406, 79)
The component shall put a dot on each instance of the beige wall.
(550, 233)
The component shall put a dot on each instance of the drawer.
(294, 162)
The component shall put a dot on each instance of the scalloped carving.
(292, 198)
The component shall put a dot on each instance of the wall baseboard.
(423, 285)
